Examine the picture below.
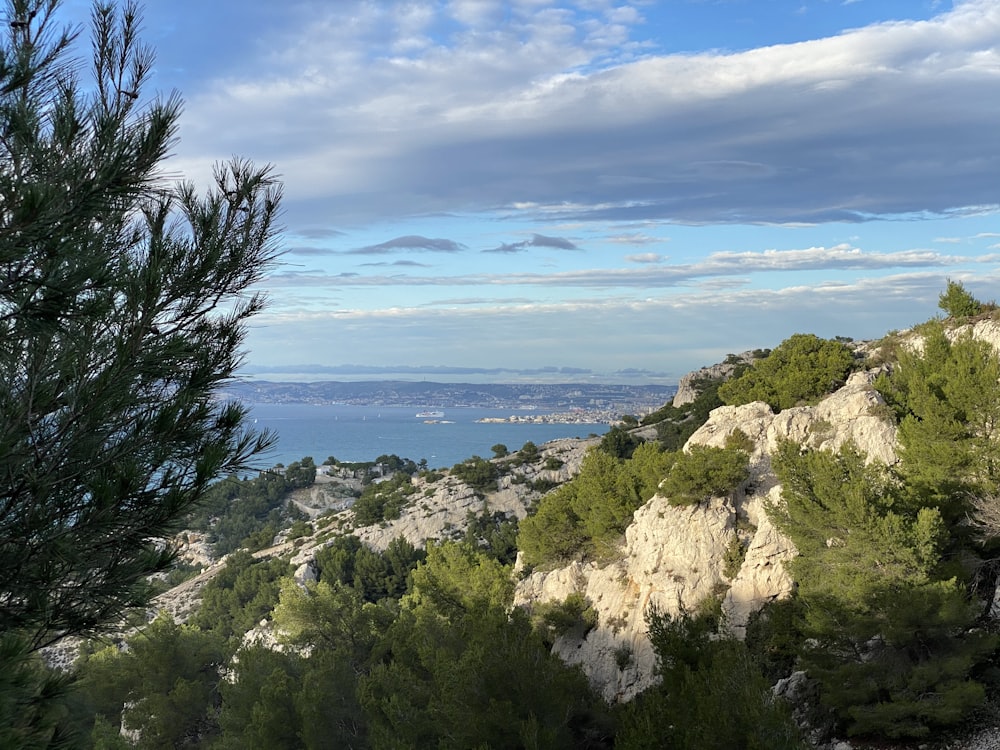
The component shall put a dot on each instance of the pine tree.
(124, 302)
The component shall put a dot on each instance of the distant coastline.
(580, 416)
(567, 402)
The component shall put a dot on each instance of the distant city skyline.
(617, 191)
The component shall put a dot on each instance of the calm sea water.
(362, 433)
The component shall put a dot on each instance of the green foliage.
(573, 617)
(648, 466)
(236, 509)
(887, 628)
(478, 473)
(947, 402)
(957, 302)
(383, 501)
(494, 534)
(289, 700)
(301, 473)
(674, 425)
(124, 304)
(299, 529)
(456, 577)
(335, 562)
(586, 516)
(240, 595)
(374, 575)
(32, 699)
(462, 670)
(801, 370)
(774, 637)
(552, 463)
(528, 452)
(618, 442)
(554, 531)
(330, 616)
(711, 696)
(500, 450)
(164, 685)
(704, 472)
(732, 559)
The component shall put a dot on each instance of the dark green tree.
(947, 401)
(957, 302)
(478, 473)
(123, 310)
(164, 686)
(301, 473)
(712, 695)
(888, 626)
(462, 669)
(618, 442)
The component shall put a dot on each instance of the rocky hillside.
(670, 558)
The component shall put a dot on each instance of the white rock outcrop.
(673, 557)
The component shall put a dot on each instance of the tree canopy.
(123, 309)
(800, 370)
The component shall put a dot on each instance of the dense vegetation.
(124, 306)
(401, 648)
(799, 371)
(111, 437)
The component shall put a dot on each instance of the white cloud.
(676, 333)
(404, 119)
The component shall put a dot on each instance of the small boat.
(430, 414)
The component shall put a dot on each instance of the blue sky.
(616, 191)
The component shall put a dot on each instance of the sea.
(351, 433)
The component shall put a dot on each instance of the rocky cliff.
(671, 558)
(674, 557)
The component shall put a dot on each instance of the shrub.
(801, 370)
(383, 501)
(619, 443)
(736, 553)
(478, 473)
(957, 302)
(573, 617)
(704, 472)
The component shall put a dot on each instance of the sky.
(604, 191)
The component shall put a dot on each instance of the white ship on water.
(430, 414)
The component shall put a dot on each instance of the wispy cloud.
(645, 258)
(654, 272)
(408, 243)
(537, 240)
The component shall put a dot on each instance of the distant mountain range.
(424, 394)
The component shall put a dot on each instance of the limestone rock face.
(669, 561)
(686, 388)
(439, 510)
(672, 558)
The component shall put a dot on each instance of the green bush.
(801, 370)
(957, 302)
(888, 628)
(586, 516)
(705, 472)
(619, 442)
(478, 473)
(573, 617)
(736, 553)
(383, 501)
(712, 695)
